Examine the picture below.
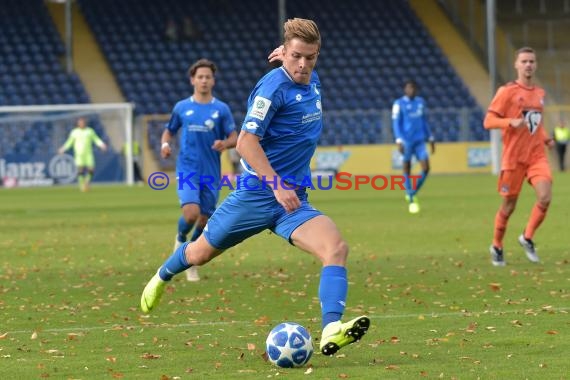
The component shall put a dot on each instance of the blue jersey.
(201, 125)
(287, 116)
(409, 122)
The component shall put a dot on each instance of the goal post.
(30, 137)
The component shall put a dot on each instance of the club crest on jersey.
(215, 114)
(189, 112)
(298, 97)
(533, 119)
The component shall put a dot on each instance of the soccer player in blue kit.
(278, 138)
(207, 127)
(411, 131)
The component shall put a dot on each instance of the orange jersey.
(514, 101)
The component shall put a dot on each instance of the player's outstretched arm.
(67, 144)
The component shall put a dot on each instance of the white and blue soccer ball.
(289, 345)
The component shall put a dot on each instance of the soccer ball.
(289, 345)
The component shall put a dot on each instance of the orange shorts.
(510, 181)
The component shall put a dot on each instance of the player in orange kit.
(517, 110)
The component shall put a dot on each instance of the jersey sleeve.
(397, 120)
(499, 104)
(262, 104)
(96, 139)
(70, 140)
(175, 121)
(497, 112)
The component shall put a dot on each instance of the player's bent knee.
(336, 254)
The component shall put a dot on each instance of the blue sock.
(408, 187)
(333, 288)
(183, 229)
(175, 264)
(420, 181)
(197, 233)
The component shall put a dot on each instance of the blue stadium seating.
(31, 74)
(30, 47)
(369, 48)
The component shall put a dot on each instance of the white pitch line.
(227, 323)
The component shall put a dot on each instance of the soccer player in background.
(277, 140)
(207, 128)
(411, 131)
(517, 110)
(82, 139)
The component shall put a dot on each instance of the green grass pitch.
(74, 264)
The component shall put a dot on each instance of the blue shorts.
(415, 148)
(204, 196)
(246, 212)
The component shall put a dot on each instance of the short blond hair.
(303, 29)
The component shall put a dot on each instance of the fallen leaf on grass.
(147, 355)
(4, 335)
(391, 367)
(250, 346)
(263, 320)
(111, 359)
(34, 335)
(495, 286)
(552, 332)
(72, 336)
(471, 328)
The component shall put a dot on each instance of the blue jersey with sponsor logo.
(287, 116)
(409, 121)
(201, 125)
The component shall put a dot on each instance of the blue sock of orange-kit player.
(175, 264)
(183, 229)
(333, 288)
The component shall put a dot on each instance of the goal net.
(30, 137)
